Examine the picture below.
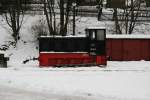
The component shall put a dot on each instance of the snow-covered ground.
(118, 81)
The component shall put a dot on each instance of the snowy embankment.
(118, 81)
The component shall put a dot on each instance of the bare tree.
(13, 13)
(50, 15)
(117, 24)
(126, 20)
(100, 8)
(64, 10)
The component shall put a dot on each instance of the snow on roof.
(59, 36)
(137, 36)
(110, 36)
(61, 52)
(96, 28)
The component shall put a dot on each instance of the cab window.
(93, 34)
(100, 34)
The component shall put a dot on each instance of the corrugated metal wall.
(128, 49)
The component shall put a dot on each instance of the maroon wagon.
(128, 47)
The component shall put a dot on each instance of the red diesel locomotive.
(74, 50)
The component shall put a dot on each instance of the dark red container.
(128, 48)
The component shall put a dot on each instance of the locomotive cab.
(97, 43)
(96, 38)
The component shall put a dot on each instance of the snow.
(127, 36)
(96, 28)
(59, 36)
(7, 93)
(62, 52)
(118, 81)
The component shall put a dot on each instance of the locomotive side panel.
(64, 44)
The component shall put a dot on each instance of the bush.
(39, 28)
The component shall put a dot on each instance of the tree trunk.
(100, 8)
(118, 30)
(62, 17)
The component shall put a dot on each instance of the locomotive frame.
(74, 50)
